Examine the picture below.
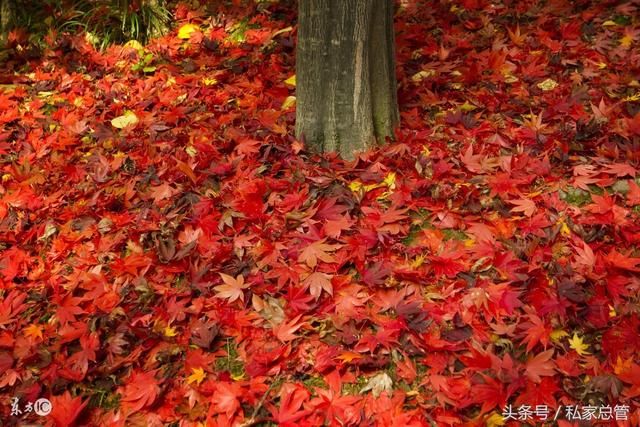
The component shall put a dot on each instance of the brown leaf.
(203, 333)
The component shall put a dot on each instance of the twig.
(252, 420)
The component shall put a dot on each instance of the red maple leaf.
(285, 331)
(540, 365)
(623, 262)
(11, 306)
(65, 408)
(633, 195)
(225, 398)
(292, 398)
(140, 390)
(535, 331)
(334, 404)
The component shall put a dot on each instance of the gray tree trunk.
(345, 75)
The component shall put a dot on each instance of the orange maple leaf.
(526, 206)
(317, 251)
(317, 282)
(232, 289)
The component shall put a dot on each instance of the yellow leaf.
(91, 38)
(495, 420)
(390, 180)
(609, 24)
(186, 30)
(282, 31)
(467, 107)
(384, 196)
(197, 376)
(370, 187)
(237, 377)
(612, 311)
(134, 44)
(191, 151)
(421, 75)
(564, 228)
(209, 82)
(289, 102)
(578, 345)
(356, 186)
(418, 261)
(170, 331)
(33, 331)
(291, 80)
(548, 85)
(510, 78)
(558, 334)
(632, 98)
(129, 118)
(626, 41)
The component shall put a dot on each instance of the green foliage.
(232, 362)
(104, 21)
(145, 62)
(117, 21)
(121, 20)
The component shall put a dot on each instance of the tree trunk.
(345, 74)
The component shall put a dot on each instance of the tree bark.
(345, 75)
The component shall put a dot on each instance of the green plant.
(116, 21)
(104, 21)
(145, 62)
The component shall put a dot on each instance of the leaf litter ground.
(170, 254)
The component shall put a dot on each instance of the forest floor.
(170, 255)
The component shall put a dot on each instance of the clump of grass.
(104, 21)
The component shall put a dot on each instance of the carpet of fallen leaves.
(170, 255)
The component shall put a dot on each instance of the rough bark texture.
(345, 73)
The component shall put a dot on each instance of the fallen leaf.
(197, 376)
(577, 343)
(547, 85)
(377, 384)
(317, 282)
(187, 30)
(129, 118)
(232, 289)
(526, 206)
(540, 365)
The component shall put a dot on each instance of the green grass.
(231, 363)
(575, 196)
